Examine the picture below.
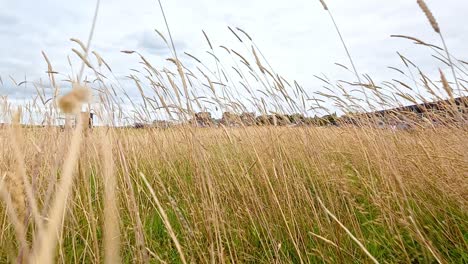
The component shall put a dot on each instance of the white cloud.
(296, 36)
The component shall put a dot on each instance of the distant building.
(247, 118)
(274, 120)
(406, 117)
(203, 119)
(267, 120)
(140, 125)
(230, 119)
(459, 104)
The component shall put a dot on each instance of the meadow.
(353, 193)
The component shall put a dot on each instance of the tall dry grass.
(263, 194)
(266, 195)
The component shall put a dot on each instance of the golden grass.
(257, 194)
(111, 223)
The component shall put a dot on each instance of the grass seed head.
(15, 188)
(71, 102)
(429, 15)
(446, 85)
(324, 5)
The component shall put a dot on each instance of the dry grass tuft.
(429, 15)
(15, 187)
(324, 4)
(111, 208)
(72, 102)
(446, 85)
(45, 245)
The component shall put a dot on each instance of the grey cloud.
(8, 24)
(152, 43)
(22, 91)
(8, 20)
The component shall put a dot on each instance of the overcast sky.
(296, 36)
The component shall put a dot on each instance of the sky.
(296, 36)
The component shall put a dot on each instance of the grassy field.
(245, 194)
(259, 195)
